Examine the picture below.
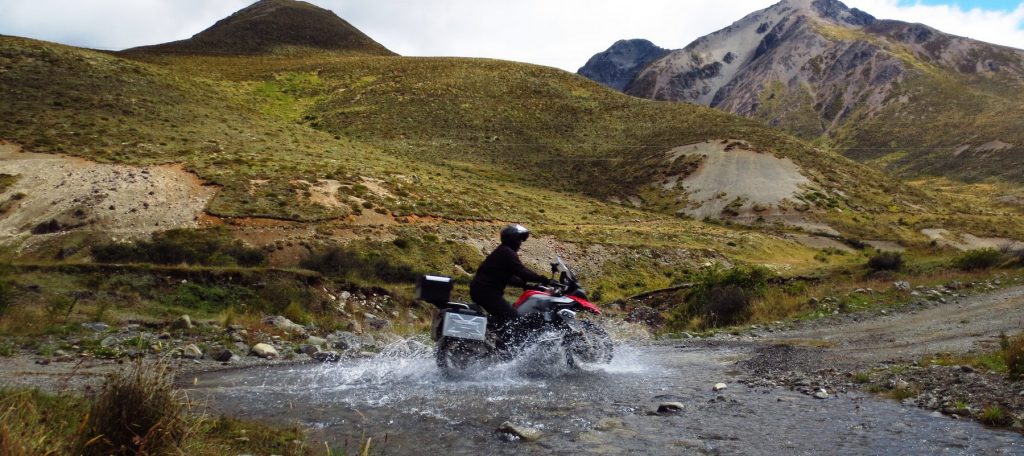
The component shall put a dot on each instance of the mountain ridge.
(823, 71)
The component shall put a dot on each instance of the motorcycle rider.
(501, 268)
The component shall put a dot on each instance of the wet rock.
(284, 324)
(96, 326)
(183, 322)
(346, 341)
(416, 346)
(670, 407)
(821, 394)
(326, 356)
(523, 432)
(264, 351)
(191, 351)
(608, 424)
(309, 349)
(223, 355)
(719, 387)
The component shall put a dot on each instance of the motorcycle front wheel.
(591, 346)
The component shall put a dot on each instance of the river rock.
(608, 424)
(191, 351)
(347, 341)
(719, 387)
(317, 341)
(285, 324)
(528, 434)
(308, 349)
(264, 351)
(902, 285)
(326, 356)
(821, 394)
(670, 407)
(223, 355)
(183, 322)
(900, 385)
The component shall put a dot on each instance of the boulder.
(719, 387)
(309, 349)
(264, 351)
(902, 285)
(526, 433)
(317, 341)
(821, 394)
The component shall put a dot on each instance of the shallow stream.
(399, 400)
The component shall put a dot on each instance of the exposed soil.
(55, 194)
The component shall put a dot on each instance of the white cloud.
(999, 27)
(562, 33)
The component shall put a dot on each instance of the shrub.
(339, 261)
(6, 297)
(137, 412)
(886, 261)
(993, 415)
(213, 247)
(1013, 353)
(723, 297)
(975, 260)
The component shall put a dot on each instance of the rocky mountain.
(906, 96)
(271, 24)
(619, 65)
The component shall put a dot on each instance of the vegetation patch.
(979, 259)
(212, 247)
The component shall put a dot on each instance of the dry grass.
(137, 412)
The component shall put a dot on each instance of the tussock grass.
(137, 412)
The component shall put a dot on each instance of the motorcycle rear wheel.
(457, 358)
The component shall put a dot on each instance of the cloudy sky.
(560, 33)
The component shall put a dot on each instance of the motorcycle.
(548, 321)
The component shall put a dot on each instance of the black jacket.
(500, 268)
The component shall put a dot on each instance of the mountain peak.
(267, 25)
(618, 65)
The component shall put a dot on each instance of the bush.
(975, 260)
(886, 261)
(212, 247)
(1013, 353)
(723, 297)
(137, 412)
(6, 297)
(337, 261)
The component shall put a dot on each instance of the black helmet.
(514, 235)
